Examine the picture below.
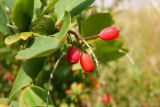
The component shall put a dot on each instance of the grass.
(134, 86)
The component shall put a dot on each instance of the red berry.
(86, 62)
(106, 99)
(73, 55)
(109, 33)
(145, 105)
(9, 76)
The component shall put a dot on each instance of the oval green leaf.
(25, 35)
(65, 27)
(22, 13)
(109, 50)
(95, 23)
(73, 6)
(12, 39)
(42, 46)
(34, 97)
(26, 75)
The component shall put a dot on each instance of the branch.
(80, 38)
(128, 56)
(51, 77)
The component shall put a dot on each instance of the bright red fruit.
(86, 62)
(145, 105)
(9, 76)
(109, 33)
(73, 55)
(106, 99)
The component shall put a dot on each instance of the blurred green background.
(128, 85)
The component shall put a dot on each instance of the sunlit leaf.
(26, 75)
(42, 46)
(34, 97)
(12, 39)
(25, 35)
(73, 6)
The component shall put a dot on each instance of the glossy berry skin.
(106, 99)
(109, 33)
(86, 62)
(73, 55)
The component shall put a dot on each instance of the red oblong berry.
(86, 62)
(106, 99)
(109, 33)
(73, 55)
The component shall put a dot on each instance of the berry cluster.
(87, 64)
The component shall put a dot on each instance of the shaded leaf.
(46, 26)
(34, 97)
(22, 13)
(95, 23)
(109, 50)
(26, 75)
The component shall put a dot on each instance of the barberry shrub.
(39, 33)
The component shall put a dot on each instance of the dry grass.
(132, 86)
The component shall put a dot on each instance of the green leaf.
(34, 97)
(42, 46)
(25, 35)
(4, 101)
(9, 3)
(16, 37)
(12, 39)
(108, 50)
(22, 13)
(26, 75)
(65, 27)
(95, 23)
(73, 6)
(37, 9)
(3, 20)
(49, 6)
(46, 26)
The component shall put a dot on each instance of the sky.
(127, 5)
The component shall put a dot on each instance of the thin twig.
(91, 37)
(80, 38)
(75, 34)
(128, 56)
(94, 56)
(13, 27)
(51, 77)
